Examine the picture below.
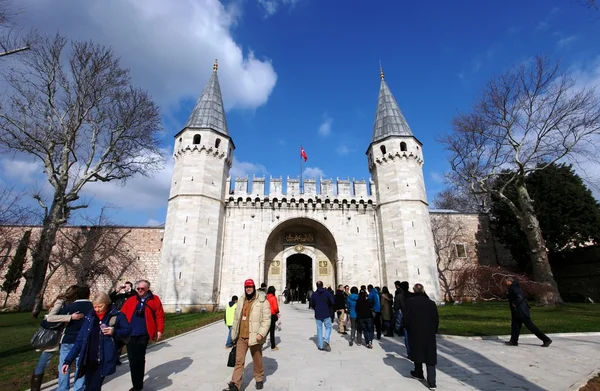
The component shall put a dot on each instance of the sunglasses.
(141, 289)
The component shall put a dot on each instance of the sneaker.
(350, 343)
(321, 349)
(547, 343)
(358, 343)
(511, 343)
(417, 376)
(370, 346)
(432, 387)
(259, 385)
(326, 347)
(275, 348)
(344, 333)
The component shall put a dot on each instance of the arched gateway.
(298, 253)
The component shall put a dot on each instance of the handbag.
(231, 359)
(47, 336)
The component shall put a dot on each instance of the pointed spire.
(209, 112)
(389, 120)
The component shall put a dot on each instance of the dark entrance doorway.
(299, 276)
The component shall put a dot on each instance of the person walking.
(340, 308)
(65, 298)
(251, 324)
(365, 317)
(422, 321)
(145, 313)
(118, 297)
(83, 306)
(322, 302)
(229, 313)
(520, 315)
(95, 349)
(352, 299)
(272, 299)
(376, 308)
(387, 311)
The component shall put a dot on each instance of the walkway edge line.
(583, 381)
(494, 337)
(55, 381)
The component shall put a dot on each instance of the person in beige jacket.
(251, 324)
(67, 297)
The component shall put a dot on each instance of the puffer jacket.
(260, 318)
(272, 299)
(352, 299)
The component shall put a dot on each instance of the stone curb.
(582, 382)
(55, 381)
(494, 337)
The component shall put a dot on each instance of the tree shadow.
(159, 377)
(467, 366)
(270, 365)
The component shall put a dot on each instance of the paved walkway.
(197, 361)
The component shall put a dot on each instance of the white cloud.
(436, 177)
(153, 223)
(21, 170)
(313, 172)
(170, 46)
(243, 169)
(325, 127)
(270, 7)
(566, 41)
(342, 150)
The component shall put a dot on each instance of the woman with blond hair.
(66, 297)
(95, 349)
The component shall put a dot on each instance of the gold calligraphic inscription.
(276, 267)
(323, 268)
(299, 248)
(299, 237)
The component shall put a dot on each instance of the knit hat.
(249, 282)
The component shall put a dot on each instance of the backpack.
(120, 341)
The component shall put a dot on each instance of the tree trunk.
(5, 300)
(41, 258)
(542, 272)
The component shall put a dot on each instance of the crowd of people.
(94, 332)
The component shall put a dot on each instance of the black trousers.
(430, 372)
(136, 353)
(515, 328)
(377, 322)
(94, 379)
(272, 330)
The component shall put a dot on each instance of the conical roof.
(209, 112)
(389, 120)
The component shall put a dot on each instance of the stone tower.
(395, 159)
(193, 238)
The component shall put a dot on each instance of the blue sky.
(307, 72)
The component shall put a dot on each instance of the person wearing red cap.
(251, 324)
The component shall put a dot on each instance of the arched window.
(217, 143)
(382, 149)
(196, 139)
(403, 146)
(180, 139)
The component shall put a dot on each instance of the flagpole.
(301, 183)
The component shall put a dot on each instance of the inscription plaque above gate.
(298, 237)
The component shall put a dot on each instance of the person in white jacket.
(61, 300)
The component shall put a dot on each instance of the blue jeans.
(63, 380)
(43, 363)
(367, 326)
(320, 323)
(229, 342)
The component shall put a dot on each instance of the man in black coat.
(519, 313)
(421, 320)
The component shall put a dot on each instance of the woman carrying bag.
(95, 348)
(67, 297)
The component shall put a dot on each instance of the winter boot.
(36, 382)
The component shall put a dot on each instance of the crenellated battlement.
(325, 192)
(203, 148)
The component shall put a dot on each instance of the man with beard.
(251, 324)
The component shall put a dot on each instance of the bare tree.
(461, 199)
(77, 112)
(526, 119)
(12, 40)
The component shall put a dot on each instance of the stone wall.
(144, 243)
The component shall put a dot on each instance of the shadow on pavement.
(159, 377)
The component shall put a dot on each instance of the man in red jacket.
(145, 313)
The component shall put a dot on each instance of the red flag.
(303, 153)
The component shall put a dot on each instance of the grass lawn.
(482, 319)
(18, 358)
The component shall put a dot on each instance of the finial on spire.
(381, 71)
(215, 65)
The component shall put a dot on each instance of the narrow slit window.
(217, 143)
(196, 139)
(403, 146)
(382, 149)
